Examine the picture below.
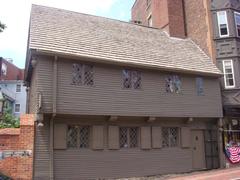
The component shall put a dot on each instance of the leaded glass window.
(199, 84)
(127, 79)
(131, 79)
(128, 137)
(170, 136)
(82, 74)
(228, 74)
(77, 74)
(78, 137)
(173, 84)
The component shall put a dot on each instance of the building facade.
(115, 99)
(12, 88)
(215, 27)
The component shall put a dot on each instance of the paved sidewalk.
(223, 174)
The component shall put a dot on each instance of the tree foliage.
(8, 120)
(2, 26)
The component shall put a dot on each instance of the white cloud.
(15, 14)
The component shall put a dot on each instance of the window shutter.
(156, 137)
(146, 137)
(98, 137)
(113, 137)
(60, 136)
(185, 137)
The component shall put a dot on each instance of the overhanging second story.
(79, 64)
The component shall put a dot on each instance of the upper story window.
(18, 88)
(150, 21)
(78, 137)
(170, 136)
(128, 137)
(173, 84)
(228, 71)
(199, 84)
(82, 74)
(131, 79)
(4, 69)
(237, 22)
(17, 108)
(222, 23)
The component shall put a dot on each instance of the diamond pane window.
(82, 74)
(72, 136)
(126, 79)
(237, 22)
(228, 74)
(173, 84)
(78, 137)
(77, 74)
(222, 23)
(84, 134)
(123, 132)
(131, 79)
(199, 83)
(88, 75)
(136, 79)
(128, 137)
(169, 136)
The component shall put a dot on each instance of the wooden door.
(198, 154)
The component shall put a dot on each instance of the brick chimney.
(162, 14)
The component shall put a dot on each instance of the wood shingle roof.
(65, 32)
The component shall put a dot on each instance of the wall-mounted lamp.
(39, 119)
(34, 62)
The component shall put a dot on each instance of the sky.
(15, 14)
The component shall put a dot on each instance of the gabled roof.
(63, 32)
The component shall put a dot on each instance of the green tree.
(8, 120)
(2, 26)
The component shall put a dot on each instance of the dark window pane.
(136, 79)
(72, 135)
(126, 79)
(84, 133)
(88, 75)
(77, 74)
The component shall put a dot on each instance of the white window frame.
(17, 88)
(19, 108)
(236, 14)
(219, 29)
(224, 71)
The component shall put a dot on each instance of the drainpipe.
(54, 102)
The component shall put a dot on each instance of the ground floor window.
(170, 136)
(78, 136)
(128, 137)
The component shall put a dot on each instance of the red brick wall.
(19, 168)
(166, 14)
(199, 24)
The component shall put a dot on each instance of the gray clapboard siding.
(33, 94)
(108, 97)
(41, 153)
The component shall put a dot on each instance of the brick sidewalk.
(223, 174)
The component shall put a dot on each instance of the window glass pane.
(173, 84)
(222, 22)
(72, 135)
(77, 74)
(133, 134)
(88, 75)
(199, 82)
(18, 88)
(136, 79)
(17, 108)
(228, 73)
(237, 20)
(126, 79)
(169, 136)
(165, 137)
(84, 133)
(123, 136)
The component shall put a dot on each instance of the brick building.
(215, 27)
